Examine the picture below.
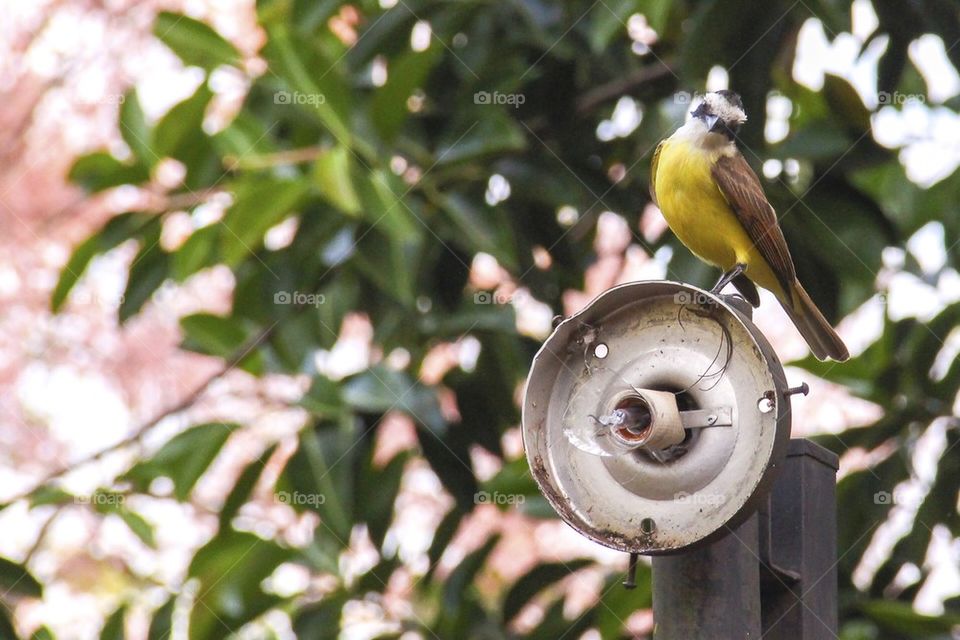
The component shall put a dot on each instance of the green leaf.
(442, 537)
(900, 618)
(475, 230)
(118, 229)
(241, 491)
(161, 627)
(657, 13)
(319, 477)
(493, 134)
(182, 123)
(407, 73)
(376, 579)
(535, 581)
(375, 493)
(140, 527)
(381, 389)
(149, 270)
(50, 494)
(16, 580)
(512, 481)
(134, 129)
(556, 625)
(321, 620)
(845, 102)
(609, 21)
(7, 630)
(460, 580)
(110, 502)
(383, 203)
(99, 170)
(312, 75)
(183, 459)
(113, 628)
(259, 203)
(230, 569)
(179, 134)
(43, 633)
(220, 336)
(194, 42)
(332, 173)
(323, 397)
(448, 453)
(199, 251)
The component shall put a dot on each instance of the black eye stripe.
(701, 110)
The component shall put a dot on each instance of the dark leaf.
(99, 170)
(117, 230)
(245, 484)
(259, 203)
(535, 581)
(194, 42)
(460, 580)
(113, 628)
(135, 130)
(230, 569)
(161, 626)
(16, 580)
(183, 459)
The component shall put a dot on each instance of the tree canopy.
(401, 140)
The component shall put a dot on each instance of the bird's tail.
(823, 340)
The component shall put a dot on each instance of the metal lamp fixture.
(656, 417)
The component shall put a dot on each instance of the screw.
(804, 389)
(631, 580)
(711, 419)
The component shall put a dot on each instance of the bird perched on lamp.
(715, 204)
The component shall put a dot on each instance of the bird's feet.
(728, 277)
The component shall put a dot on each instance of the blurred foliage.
(386, 181)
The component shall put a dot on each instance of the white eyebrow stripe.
(721, 108)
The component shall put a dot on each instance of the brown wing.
(653, 173)
(741, 187)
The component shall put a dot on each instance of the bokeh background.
(272, 275)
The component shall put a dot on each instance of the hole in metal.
(765, 403)
(648, 526)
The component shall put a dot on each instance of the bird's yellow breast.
(700, 216)
(695, 208)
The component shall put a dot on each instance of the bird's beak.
(712, 122)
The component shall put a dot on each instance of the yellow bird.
(714, 203)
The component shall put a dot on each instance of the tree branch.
(143, 429)
(622, 86)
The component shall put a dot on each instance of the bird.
(715, 205)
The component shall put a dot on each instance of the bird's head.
(722, 112)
